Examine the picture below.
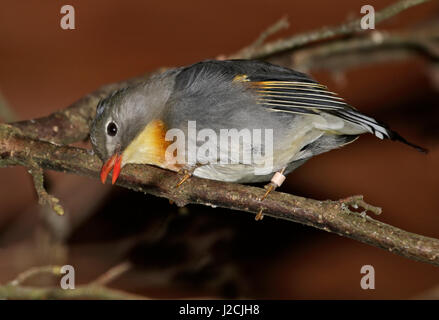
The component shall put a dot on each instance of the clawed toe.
(186, 175)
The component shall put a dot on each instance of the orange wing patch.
(241, 78)
(286, 84)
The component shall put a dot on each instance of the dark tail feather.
(378, 129)
(397, 137)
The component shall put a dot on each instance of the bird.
(301, 117)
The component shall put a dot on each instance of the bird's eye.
(111, 129)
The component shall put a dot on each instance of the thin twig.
(307, 38)
(80, 292)
(358, 202)
(276, 27)
(43, 197)
(32, 272)
(343, 54)
(112, 274)
(93, 290)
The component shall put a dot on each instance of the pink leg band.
(278, 179)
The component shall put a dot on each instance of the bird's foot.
(186, 175)
(275, 182)
(260, 215)
(269, 187)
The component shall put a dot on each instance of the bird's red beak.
(112, 164)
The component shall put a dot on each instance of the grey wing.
(208, 93)
(279, 90)
(311, 98)
(297, 93)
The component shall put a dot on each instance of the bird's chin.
(114, 163)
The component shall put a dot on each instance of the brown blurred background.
(202, 251)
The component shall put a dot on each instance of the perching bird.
(305, 118)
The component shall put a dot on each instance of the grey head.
(122, 115)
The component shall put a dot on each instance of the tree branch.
(332, 216)
(276, 27)
(374, 47)
(94, 290)
(300, 40)
(72, 124)
(80, 292)
(36, 144)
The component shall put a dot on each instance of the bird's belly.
(232, 173)
(287, 157)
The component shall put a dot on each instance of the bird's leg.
(187, 173)
(276, 181)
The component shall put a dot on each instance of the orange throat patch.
(149, 147)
